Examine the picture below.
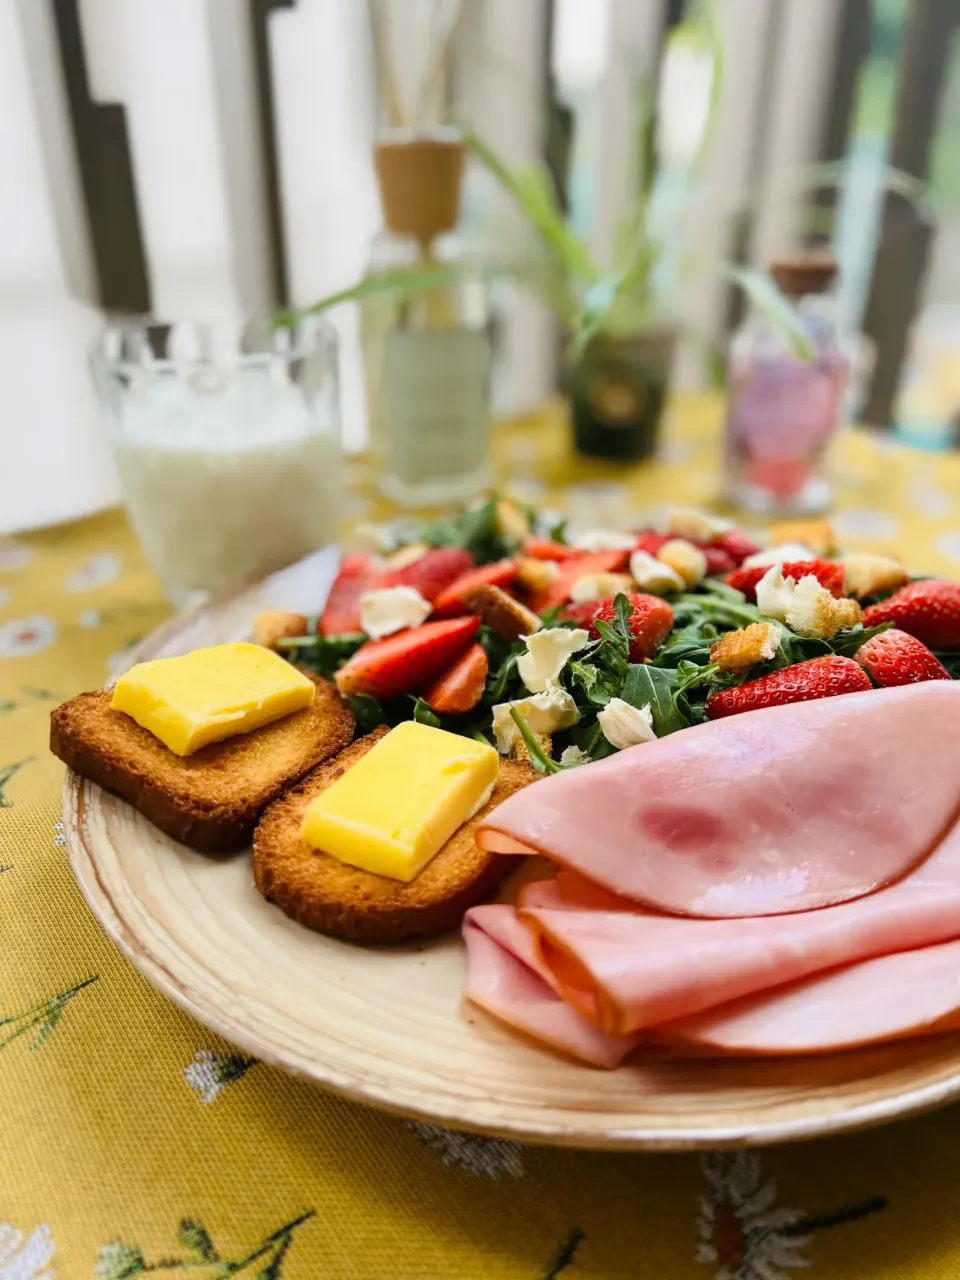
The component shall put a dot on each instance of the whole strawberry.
(650, 621)
(827, 573)
(804, 682)
(928, 610)
(897, 658)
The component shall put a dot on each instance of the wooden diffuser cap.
(420, 181)
(808, 273)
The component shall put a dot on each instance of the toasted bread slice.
(212, 799)
(321, 892)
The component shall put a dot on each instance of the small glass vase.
(617, 392)
(227, 441)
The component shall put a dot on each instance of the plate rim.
(896, 1105)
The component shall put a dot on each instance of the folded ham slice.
(781, 810)
(630, 969)
(911, 993)
(505, 978)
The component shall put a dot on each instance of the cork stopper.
(420, 178)
(807, 273)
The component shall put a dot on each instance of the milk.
(228, 474)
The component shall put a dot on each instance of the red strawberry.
(579, 566)
(450, 601)
(719, 561)
(650, 623)
(819, 678)
(461, 687)
(929, 610)
(650, 541)
(897, 658)
(358, 575)
(827, 573)
(407, 661)
(432, 572)
(585, 612)
(736, 544)
(545, 549)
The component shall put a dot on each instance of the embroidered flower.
(739, 1228)
(23, 637)
(26, 1258)
(13, 555)
(89, 618)
(210, 1073)
(118, 1261)
(59, 839)
(484, 1157)
(96, 571)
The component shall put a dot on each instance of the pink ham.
(911, 993)
(504, 977)
(777, 811)
(630, 969)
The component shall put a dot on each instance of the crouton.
(694, 526)
(507, 617)
(739, 650)
(275, 625)
(867, 574)
(818, 535)
(535, 575)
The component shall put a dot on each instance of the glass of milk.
(227, 440)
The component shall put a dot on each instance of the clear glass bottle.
(428, 355)
(782, 410)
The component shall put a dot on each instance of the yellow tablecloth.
(135, 1142)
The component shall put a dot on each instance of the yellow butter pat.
(211, 694)
(402, 801)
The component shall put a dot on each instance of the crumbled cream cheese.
(651, 574)
(684, 559)
(390, 609)
(545, 712)
(695, 526)
(573, 755)
(548, 652)
(594, 540)
(625, 725)
(600, 586)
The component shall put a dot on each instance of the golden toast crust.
(212, 799)
(324, 893)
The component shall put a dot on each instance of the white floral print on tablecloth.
(485, 1157)
(4, 597)
(96, 571)
(740, 1228)
(210, 1073)
(24, 637)
(26, 1257)
(13, 555)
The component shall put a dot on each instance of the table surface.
(134, 1142)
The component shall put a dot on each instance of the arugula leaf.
(848, 642)
(322, 654)
(423, 713)
(538, 757)
(591, 680)
(499, 680)
(475, 530)
(654, 687)
(369, 713)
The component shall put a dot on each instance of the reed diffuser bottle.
(427, 354)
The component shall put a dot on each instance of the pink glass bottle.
(782, 410)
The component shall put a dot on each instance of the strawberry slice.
(546, 549)
(650, 622)
(929, 610)
(358, 574)
(461, 687)
(896, 658)
(827, 573)
(579, 566)
(407, 661)
(719, 561)
(803, 682)
(736, 544)
(432, 572)
(451, 601)
(584, 613)
(650, 541)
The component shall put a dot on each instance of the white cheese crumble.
(573, 755)
(778, 555)
(695, 526)
(390, 609)
(625, 725)
(651, 574)
(684, 559)
(600, 586)
(595, 540)
(546, 712)
(548, 652)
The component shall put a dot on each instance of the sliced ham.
(503, 977)
(630, 969)
(781, 810)
(911, 993)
